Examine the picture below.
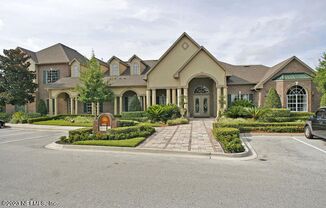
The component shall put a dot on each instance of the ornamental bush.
(273, 99)
(237, 112)
(6, 117)
(323, 100)
(41, 107)
(177, 121)
(134, 104)
(243, 103)
(229, 138)
(123, 123)
(157, 113)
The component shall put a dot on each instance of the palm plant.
(255, 112)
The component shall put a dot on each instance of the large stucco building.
(186, 70)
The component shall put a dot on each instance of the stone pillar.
(185, 94)
(148, 98)
(76, 105)
(50, 106)
(115, 105)
(178, 97)
(55, 106)
(168, 96)
(218, 105)
(153, 96)
(225, 94)
(93, 109)
(120, 105)
(71, 105)
(144, 102)
(174, 96)
(98, 108)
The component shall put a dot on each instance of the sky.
(235, 31)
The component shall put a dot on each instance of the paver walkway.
(195, 137)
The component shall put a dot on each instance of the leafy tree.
(273, 99)
(134, 104)
(92, 88)
(41, 107)
(17, 85)
(320, 79)
(323, 100)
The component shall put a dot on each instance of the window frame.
(114, 70)
(297, 99)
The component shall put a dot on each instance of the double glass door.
(201, 106)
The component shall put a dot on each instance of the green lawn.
(63, 123)
(116, 143)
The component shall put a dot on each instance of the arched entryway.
(297, 99)
(126, 98)
(201, 97)
(63, 104)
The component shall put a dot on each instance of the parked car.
(316, 125)
(2, 124)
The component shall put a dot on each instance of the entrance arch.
(126, 98)
(201, 97)
(63, 103)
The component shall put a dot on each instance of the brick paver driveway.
(195, 137)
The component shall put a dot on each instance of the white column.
(185, 97)
(120, 105)
(50, 106)
(148, 98)
(71, 105)
(179, 97)
(115, 105)
(93, 109)
(218, 94)
(225, 93)
(144, 102)
(168, 96)
(174, 96)
(55, 106)
(76, 105)
(259, 99)
(153, 96)
(98, 108)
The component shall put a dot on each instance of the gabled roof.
(277, 68)
(114, 57)
(59, 53)
(176, 75)
(133, 57)
(170, 48)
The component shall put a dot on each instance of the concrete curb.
(271, 134)
(248, 154)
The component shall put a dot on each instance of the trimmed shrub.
(272, 100)
(134, 115)
(277, 115)
(243, 103)
(237, 112)
(41, 107)
(80, 131)
(18, 117)
(163, 113)
(122, 123)
(177, 121)
(229, 138)
(134, 104)
(6, 117)
(256, 113)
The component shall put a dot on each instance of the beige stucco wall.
(162, 75)
(202, 65)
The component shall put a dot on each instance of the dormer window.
(114, 70)
(75, 71)
(135, 69)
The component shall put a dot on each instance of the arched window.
(297, 99)
(201, 90)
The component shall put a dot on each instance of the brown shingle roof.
(245, 74)
(30, 53)
(64, 83)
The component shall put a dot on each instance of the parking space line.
(310, 145)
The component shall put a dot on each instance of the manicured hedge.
(116, 143)
(132, 114)
(177, 121)
(229, 138)
(274, 129)
(5, 116)
(123, 123)
(118, 133)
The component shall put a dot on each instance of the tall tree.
(320, 78)
(92, 88)
(17, 85)
(273, 99)
(134, 104)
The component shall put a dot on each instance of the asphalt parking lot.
(288, 172)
